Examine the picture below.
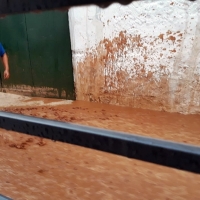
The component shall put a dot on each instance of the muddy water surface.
(36, 169)
(163, 125)
(32, 168)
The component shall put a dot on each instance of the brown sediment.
(174, 50)
(172, 38)
(161, 36)
(63, 171)
(45, 169)
(163, 125)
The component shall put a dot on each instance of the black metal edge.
(23, 6)
(2, 197)
(170, 154)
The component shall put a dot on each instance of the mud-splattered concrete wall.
(144, 55)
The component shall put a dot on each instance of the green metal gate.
(39, 50)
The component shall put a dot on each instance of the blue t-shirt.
(2, 50)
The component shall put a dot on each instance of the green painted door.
(13, 36)
(39, 49)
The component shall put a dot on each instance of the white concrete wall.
(144, 55)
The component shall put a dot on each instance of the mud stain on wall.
(154, 64)
(123, 71)
(104, 75)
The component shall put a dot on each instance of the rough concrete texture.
(144, 55)
(10, 100)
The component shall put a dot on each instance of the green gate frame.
(39, 50)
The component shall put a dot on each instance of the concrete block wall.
(144, 55)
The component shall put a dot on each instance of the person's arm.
(6, 66)
(5, 62)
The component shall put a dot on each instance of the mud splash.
(123, 71)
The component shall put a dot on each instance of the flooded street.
(34, 168)
(129, 67)
(162, 125)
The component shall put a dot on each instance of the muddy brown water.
(162, 125)
(34, 168)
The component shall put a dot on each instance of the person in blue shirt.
(4, 58)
